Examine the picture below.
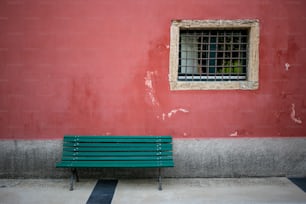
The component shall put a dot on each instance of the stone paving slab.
(41, 191)
(178, 191)
(199, 191)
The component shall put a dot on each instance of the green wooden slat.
(118, 140)
(126, 139)
(118, 136)
(148, 158)
(122, 154)
(100, 144)
(98, 149)
(90, 149)
(126, 164)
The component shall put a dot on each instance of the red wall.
(101, 67)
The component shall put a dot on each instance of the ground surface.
(179, 191)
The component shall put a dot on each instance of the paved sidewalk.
(37, 191)
(178, 191)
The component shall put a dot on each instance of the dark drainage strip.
(300, 182)
(103, 192)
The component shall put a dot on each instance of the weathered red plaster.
(78, 67)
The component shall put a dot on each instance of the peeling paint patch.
(150, 89)
(234, 134)
(287, 66)
(164, 116)
(174, 111)
(293, 117)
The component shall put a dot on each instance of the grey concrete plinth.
(194, 158)
(240, 157)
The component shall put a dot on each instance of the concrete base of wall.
(251, 157)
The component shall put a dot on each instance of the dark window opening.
(213, 55)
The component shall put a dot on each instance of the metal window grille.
(213, 55)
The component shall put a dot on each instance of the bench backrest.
(117, 151)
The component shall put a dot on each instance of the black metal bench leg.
(159, 180)
(73, 174)
(77, 175)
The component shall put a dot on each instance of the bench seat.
(116, 152)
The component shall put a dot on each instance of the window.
(214, 54)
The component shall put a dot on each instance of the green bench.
(116, 152)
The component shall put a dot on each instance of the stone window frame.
(252, 81)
